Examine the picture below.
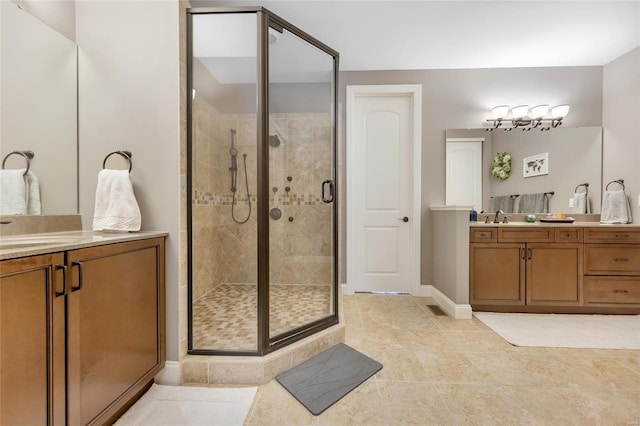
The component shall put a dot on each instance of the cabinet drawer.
(619, 235)
(611, 290)
(608, 259)
(526, 235)
(483, 235)
(568, 235)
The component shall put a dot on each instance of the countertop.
(15, 246)
(553, 224)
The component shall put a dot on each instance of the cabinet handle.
(622, 235)
(621, 259)
(621, 291)
(79, 286)
(568, 235)
(64, 280)
(522, 256)
(530, 253)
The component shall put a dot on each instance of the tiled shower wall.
(301, 240)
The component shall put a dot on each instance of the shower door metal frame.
(265, 343)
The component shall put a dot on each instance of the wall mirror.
(39, 106)
(570, 156)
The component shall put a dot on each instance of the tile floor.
(441, 371)
(226, 316)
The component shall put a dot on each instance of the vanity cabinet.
(497, 274)
(32, 341)
(115, 342)
(572, 269)
(612, 267)
(91, 370)
(525, 267)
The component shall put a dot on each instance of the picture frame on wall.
(536, 165)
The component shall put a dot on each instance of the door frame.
(354, 234)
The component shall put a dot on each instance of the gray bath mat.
(321, 381)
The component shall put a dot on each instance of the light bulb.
(500, 112)
(539, 111)
(560, 111)
(520, 111)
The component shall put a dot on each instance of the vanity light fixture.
(521, 118)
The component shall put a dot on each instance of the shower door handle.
(330, 198)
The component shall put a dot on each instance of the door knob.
(405, 219)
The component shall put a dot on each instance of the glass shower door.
(301, 181)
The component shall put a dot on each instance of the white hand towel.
(615, 207)
(581, 203)
(33, 194)
(13, 192)
(116, 207)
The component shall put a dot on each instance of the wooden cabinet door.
(32, 357)
(554, 274)
(496, 274)
(116, 312)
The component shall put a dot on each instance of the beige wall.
(463, 99)
(621, 120)
(129, 88)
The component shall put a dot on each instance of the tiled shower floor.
(226, 316)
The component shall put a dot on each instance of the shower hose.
(233, 201)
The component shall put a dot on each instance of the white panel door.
(384, 250)
(464, 173)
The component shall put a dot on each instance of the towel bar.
(618, 181)
(586, 187)
(125, 154)
(28, 155)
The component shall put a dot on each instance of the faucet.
(496, 219)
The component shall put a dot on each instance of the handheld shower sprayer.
(233, 151)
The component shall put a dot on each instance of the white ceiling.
(379, 35)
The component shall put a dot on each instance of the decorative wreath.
(501, 166)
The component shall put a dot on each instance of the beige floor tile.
(400, 365)
(413, 403)
(450, 367)
(505, 368)
(602, 406)
(448, 323)
(424, 340)
(441, 371)
(362, 406)
(275, 406)
(477, 404)
(542, 405)
(477, 341)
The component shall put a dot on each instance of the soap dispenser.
(473, 215)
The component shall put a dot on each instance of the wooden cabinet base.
(557, 309)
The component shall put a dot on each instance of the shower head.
(274, 140)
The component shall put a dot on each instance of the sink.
(34, 241)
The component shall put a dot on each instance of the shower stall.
(261, 182)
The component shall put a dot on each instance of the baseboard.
(455, 310)
(170, 374)
(346, 290)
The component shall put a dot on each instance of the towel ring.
(586, 187)
(125, 154)
(28, 155)
(618, 181)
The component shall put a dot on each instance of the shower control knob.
(287, 188)
(290, 218)
(405, 219)
(289, 178)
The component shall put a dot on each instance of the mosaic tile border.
(226, 199)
